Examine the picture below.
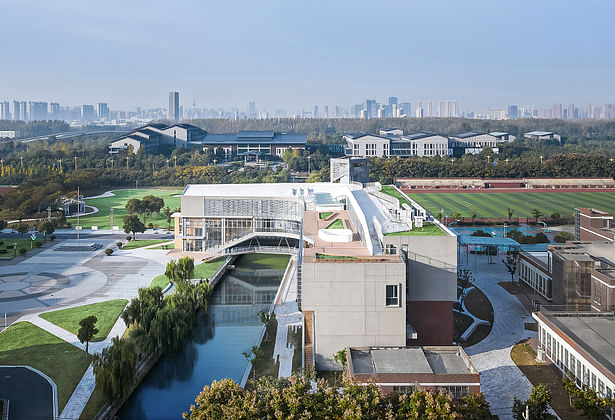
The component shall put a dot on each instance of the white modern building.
(357, 283)
(425, 143)
(581, 345)
(473, 142)
(367, 145)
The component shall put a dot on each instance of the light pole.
(175, 159)
(167, 163)
(60, 162)
(21, 161)
(75, 163)
(2, 162)
(541, 159)
(309, 166)
(126, 162)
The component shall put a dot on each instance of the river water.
(214, 350)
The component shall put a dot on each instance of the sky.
(295, 54)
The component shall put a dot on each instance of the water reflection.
(214, 350)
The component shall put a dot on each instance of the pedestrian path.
(501, 380)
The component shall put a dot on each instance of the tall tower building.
(5, 113)
(37, 111)
(455, 110)
(315, 113)
(174, 106)
(441, 110)
(419, 110)
(570, 111)
(88, 113)
(23, 111)
(251, 109)
(54, 111)
(429, 110)
(16, 111)
(556, 111)
(102, 110)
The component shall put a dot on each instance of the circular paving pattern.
(16, 286)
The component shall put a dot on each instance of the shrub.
(108, 251)
(150, 226)
(481, 233)
(52, 237)
(38, 244)
(562, 237)
(119, 244)
(22, 251)
(541, 238)
(129, 238)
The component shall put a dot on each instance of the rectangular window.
(390, 249)
(597, 292)
(392, 295)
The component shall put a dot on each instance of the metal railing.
(260, 249)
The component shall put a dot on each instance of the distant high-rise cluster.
(100, 113)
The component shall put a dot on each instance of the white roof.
(273, 190)
(539, 133)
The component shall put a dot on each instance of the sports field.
(497, 204)
(101, 219)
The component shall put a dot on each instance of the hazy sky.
(292, 54)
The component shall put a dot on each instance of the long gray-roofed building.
(581, 345)
(153, 136)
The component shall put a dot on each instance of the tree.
(132, 224)
(562, 237)
(537, 405)
(3, 224)
(22, 228)
(537, 213)
(180, 270)
(587, 400)
(114, 369)
(134, 206)
(46, 228)
(168, 213)
(266, 317)
(340, 357)
(510, 213)
(511, 262)
(87, 330)
(464, 280)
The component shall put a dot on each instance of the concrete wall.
(192, 206)
(349, 304)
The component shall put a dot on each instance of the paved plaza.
(54, 279)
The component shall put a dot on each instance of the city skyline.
(293, 56)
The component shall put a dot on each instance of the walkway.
(288, 315)
(501, 380)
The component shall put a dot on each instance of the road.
(70, 134)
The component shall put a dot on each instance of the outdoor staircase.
(88, 247)
(308, 345)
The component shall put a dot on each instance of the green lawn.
(323, 215)
(21, 241)
(262, 261)
(337, 224)
(106, 312)
(160, 281)
(26, 344)
(207, 269)
(334, 257)
(144, 242)
(390, 190)
(169, 246)
(118, 202)
(201, 271)
(428, 229)
(497, 204)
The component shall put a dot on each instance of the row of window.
(568, 363)
(457, 391)
(537, 280)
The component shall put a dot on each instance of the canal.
(214, 350)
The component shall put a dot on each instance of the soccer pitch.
(118, 202)
(522, 203)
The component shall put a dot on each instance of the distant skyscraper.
(37, 111)
(88, 113)
(419, 110)
(570, 111)
(371, 108)
(441, 109)
(392, 100)
(54, 111)
(23, 111)
(512, 112)
(315, 113)
(174, 106)
(449, 110)
(5, 112)
(556, 111)
(380, 112)
(251, 109)
(102, 110)
(429, 110)
(406, 109)
(16, 111)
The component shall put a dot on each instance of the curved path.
(501, 380)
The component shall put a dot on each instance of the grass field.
(145, 242)
(26, 344)
(118, 203)
(497, 204)
(388, 189)
(21, 241)
(428, 229)
(106, 313)
(201, 271)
